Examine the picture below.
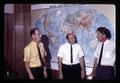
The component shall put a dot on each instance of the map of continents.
(83, 20)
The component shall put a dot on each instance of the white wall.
(9, 8)
(109, 11)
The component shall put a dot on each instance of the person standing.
(71, 59)
(34, 54)
(104, 56)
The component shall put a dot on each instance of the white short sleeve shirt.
(64, 52)
(108, 55)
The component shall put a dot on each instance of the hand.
(90, 76)
(83, 74)
(31, 77)
(45, 73)
(60, 76)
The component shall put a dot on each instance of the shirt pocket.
(108, 54)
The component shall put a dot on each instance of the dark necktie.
(71, 54)
(99, 63)
(40, 57)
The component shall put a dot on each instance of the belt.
(105, 66)
(71, 64)
(37, 67)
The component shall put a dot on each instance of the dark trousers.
(37, 73)
(105, 72)
(71, 72)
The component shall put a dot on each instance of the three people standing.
(70, 55)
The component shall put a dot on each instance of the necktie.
(71, 54)
(40, 57)
(99, 63)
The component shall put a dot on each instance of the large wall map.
(83, 20)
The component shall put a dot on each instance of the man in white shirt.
(104, 64)
(71, 59)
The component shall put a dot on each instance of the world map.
(82, 20)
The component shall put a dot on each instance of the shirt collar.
(34, 43)
(70, 44)
(106, 41)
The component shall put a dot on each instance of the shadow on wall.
(45, 41)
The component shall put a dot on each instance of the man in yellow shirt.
(33, 65)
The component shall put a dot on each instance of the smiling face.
(36, 36)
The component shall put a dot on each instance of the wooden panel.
(5, 37)
(9, 51)
(16, 36)
(27, 27)
(22, 28)
(20, 8)
(19, 49)
(9, 45)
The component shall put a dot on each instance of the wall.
(17, 25)
(104, 8)
(16, 35)
(38, 11)
(18, 21)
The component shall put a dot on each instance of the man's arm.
(28, 70)
(94, 69)
(82, 64)
(60, 68)
(45, 69)
(26, 62)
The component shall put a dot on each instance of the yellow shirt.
(31, 54)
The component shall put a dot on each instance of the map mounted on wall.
(83, 20)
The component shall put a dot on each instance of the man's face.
(100, 36)
(37, 35)
(71, 38)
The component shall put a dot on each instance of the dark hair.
(33, 31)
(74, 37)
(104, 30)
(67, 36)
